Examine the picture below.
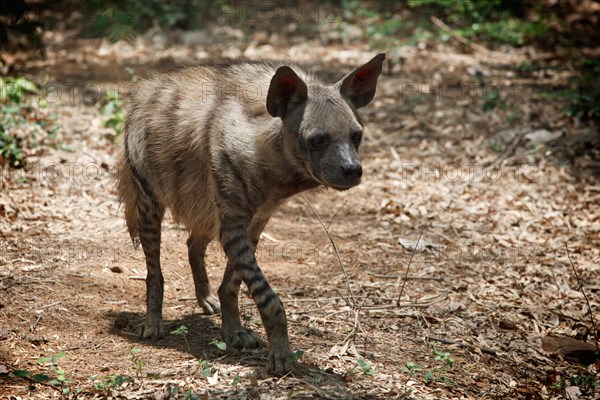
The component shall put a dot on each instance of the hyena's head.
(322, 130)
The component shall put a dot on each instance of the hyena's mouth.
(342, 186)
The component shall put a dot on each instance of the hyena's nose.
(352, 171)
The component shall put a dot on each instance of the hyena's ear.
(359, 85)
(286, 87)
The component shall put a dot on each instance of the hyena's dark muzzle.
(340, 167)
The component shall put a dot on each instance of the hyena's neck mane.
(282, 169)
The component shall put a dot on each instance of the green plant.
(13, 91)
(585, 95)
(123, 19)
(137, 362)
(16, 89)
(496, 21)
(491, 94)
(112, 108)
(182, 331)
(113, 111)
(437, 373)
(510, 31)
(298, 354)
(588, 384)
(174, 391)
(205, 368)
(32, 378)
(221, 345)
(107, 383)
(22, 125)
(60, 379)
(236, 380)
(365, 366)
(445, 357)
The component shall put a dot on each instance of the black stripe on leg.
(232, 241)
(242, 251)
(269, 297)
(260, 289)
(246, 266)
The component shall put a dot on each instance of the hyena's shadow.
(192, 333)
(199, 338)
(202, 330)
(195, 334)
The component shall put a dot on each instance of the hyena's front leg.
(242, 266)
(234, 334)
(150, 214)
(196, 252)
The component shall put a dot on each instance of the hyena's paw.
(153, 328)
(281, 363)
(242, 338)
(210, 304)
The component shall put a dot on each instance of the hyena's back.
(176, 128)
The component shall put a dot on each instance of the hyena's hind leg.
(196, 251)
(150, 215)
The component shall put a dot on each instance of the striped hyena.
(222, 147)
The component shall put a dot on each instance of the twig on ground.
(461, 344)
(587, 300)
(336, 213)
(33, 327)
(355, 307)
(407, 269)
(337, 254)
(408, 278)
(475, 46)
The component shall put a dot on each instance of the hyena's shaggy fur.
(201, 143)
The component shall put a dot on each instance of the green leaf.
(428, 376)
(182, 330)
(21, 373)
(40, 377)
(220, 344)
(66, 147)
(108, 109)
(12, 109)
(25, 84)
(298, 354)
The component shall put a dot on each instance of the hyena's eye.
(356, 137)
(317, 141)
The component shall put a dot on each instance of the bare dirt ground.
(490, 278)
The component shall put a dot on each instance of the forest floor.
(494, 197)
